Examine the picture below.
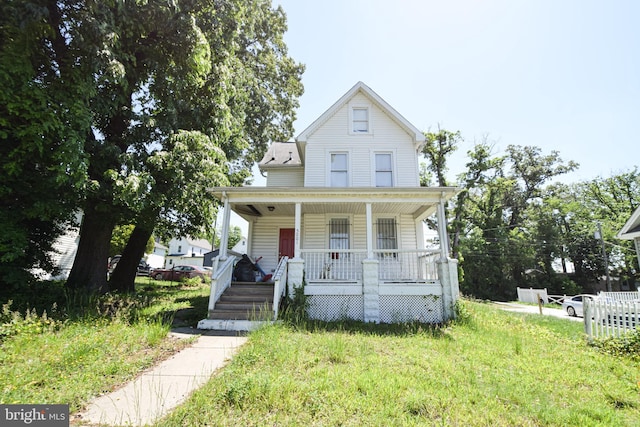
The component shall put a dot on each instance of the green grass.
(498, 369)
(491, 368)
(95, 348)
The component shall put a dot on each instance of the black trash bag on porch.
(244, 270)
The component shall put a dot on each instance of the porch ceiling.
(252, 202)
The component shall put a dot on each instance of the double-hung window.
(339, 170)
(386, 234)
(360, 120)
(384, 170)
(338, 235)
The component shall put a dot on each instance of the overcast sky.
(562, 75)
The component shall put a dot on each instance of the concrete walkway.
(160, 389)
(533, 309)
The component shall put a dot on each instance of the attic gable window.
(360, 120)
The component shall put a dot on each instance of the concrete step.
(244, 305)
(246, 298)
(244, 301)
(219, 314)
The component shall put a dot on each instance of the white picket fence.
(609, 317)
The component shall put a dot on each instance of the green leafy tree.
(499, 202)
(120, 237)
(218, 68)
(177, 206)
(612, 201)
(235, 235)
(437, 149)
(44, 118)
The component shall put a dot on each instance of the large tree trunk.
(89, 271)
(124, 275)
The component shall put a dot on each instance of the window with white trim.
(339, 170)
(384, 170)
(360, 120)
(339, 233)
(386, 233)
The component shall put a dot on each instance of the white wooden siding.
(385, 135)
(266, 238)
(285, 178)
(407, 233)
(315, 231)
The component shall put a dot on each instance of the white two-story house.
(341, 218)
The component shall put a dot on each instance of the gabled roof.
(631, 229)
(360, 87)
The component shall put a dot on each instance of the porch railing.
(407, 266)
(333, 264)
(395, 265)
(221, 280)
(279, 284)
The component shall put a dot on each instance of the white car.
(573, 305)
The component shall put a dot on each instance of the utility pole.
(604, 255)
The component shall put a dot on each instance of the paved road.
(533, 309)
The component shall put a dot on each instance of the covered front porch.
(357, 253)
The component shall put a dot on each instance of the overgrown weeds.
(91, 344)
(487, 368)
(627, 345)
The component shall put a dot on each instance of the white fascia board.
(631, 224)
(415, 133)
(324, 194)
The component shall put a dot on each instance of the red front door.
(287, 242)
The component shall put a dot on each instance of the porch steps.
(248, 301)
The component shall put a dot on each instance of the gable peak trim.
(360, 87)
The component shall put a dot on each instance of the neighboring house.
(631, 231)
(342, 216)
(64, 253)
(237, 250)
(156, 258)
(186, 251)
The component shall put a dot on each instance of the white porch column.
(448, 275)
(297, 225)
(442, 230)
(295, 267)
(371, 290)
(369, 231)
(224, 237)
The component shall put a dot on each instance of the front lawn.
(79, 351)
(497, 369)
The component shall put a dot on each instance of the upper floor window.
(360, 119)
(384, 170)
(339, 170)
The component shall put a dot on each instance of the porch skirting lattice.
(411, 308)
(336, 307)
(393, 308)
